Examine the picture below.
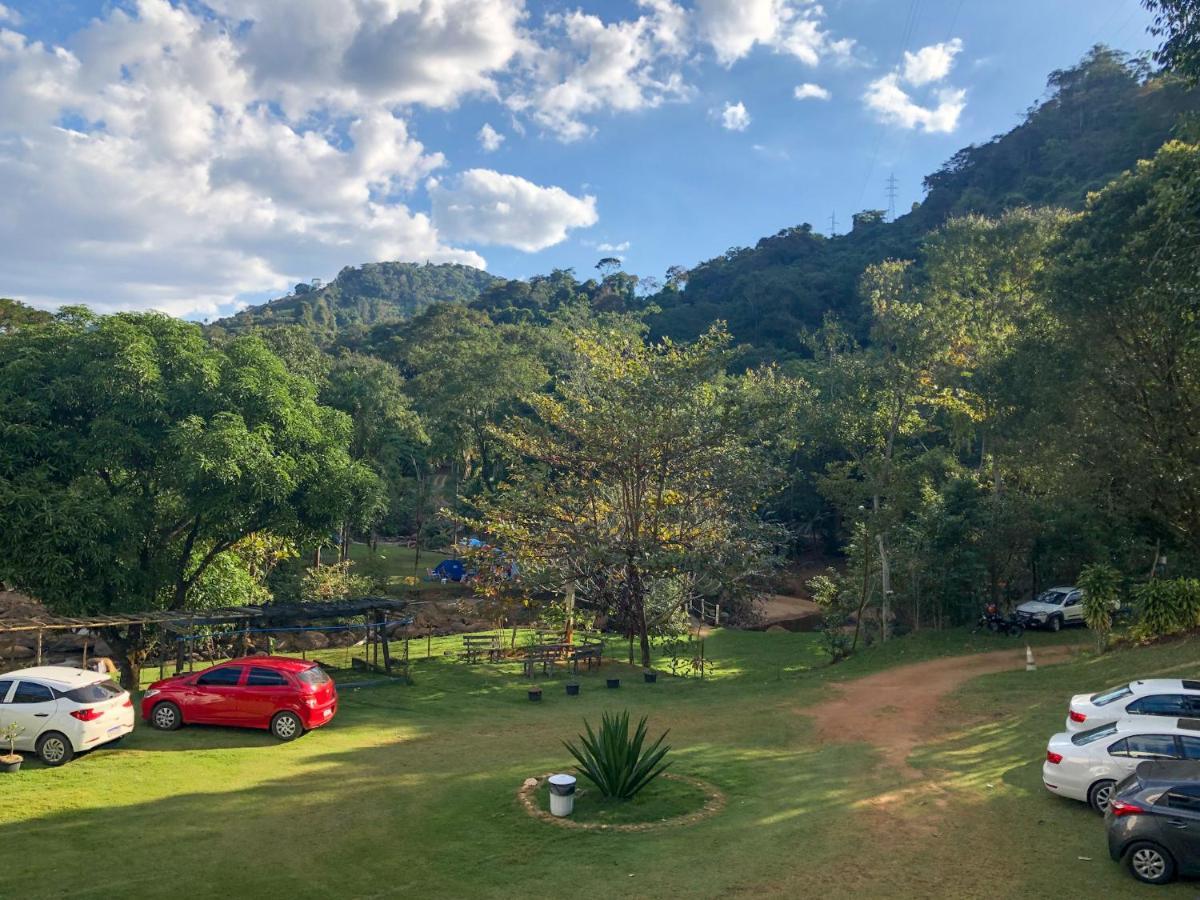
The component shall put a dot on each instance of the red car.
(287, 696)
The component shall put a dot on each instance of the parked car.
(1087, 765)
(63, 711)
(284, 695)
(1153, 697)
(1053, 609)
(1153, 821)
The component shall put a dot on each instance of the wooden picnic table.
(476, 645)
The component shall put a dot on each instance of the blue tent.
(451, 569)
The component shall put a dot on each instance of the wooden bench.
(542, 656)
(591, 653)
(476, 646)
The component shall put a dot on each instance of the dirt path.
(896, 710)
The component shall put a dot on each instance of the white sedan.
(61, 711)
(1087, 764)
(1173, 697)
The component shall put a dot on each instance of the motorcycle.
(997, 623)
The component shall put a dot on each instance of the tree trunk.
(885, 578)
(131, 651)
(569, 603)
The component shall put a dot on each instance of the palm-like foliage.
(615, 761)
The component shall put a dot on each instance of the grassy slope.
(412, 789)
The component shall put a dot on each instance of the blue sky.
(191, 157)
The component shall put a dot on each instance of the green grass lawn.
(412, 790)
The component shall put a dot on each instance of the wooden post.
(85, 652)
(429, 643)
(717, 617)
(180, 654)
(381, 617)
(570, 605)
(39, 647)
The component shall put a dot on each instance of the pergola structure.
(244, 619)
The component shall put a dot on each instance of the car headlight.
(151, 693)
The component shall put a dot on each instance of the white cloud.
(586, 66)
(930, 64)
(486, 207)
(734, 27)
(11, 16)
(147, 166)
(734, 117)
(613, 248)
(894, 106)
(810, 91)
(344, 52)
(940, 111)
(489, 138)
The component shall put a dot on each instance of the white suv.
(1172, 697)
(1053, 609)
(62, 711)
(1087, 764)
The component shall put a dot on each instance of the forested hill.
(362, 296)
(1097, 120)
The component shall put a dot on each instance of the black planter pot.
(614, 682)
(535, 694)
(572, 690)
(650, 677)
(11, 766)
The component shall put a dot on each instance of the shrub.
(1101, 585)
(1166, 607)
(616, 761)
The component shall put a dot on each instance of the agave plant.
(616, 761)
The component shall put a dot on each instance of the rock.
(775, 629)
(13, 650)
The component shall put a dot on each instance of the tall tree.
(1125, 286)
(1177, 22)
(134, 455)
(637, 471)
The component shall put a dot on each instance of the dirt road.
(896, 710)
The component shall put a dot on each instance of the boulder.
(13, 650)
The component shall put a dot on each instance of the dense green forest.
(994, 393)
(362, 296)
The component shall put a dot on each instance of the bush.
(1101, 586)
(615, 761)
(1166, 607)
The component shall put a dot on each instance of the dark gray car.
(1154, 821)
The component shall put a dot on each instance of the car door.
(31, 705)
(214, 697)
(1178, 815)
(1174, 705)
(1126, 753)
(266, 692)
(1073, 607)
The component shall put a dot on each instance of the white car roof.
(1065, 590)
(1154, 725)
(1155, 685)
(64, 677)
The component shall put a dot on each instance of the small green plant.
(616, 761)
(10, 733)
(1101, 585)
(1166, 607)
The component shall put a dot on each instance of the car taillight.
(87, 715)
(1078, 716)
(1121, 808)
(128, 701)
(1052, 757)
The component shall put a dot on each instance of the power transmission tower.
(832, 224)
(891, 195)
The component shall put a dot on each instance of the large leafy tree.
(637, 471)
(1177, 22)
(1125, 286)
(134, 455)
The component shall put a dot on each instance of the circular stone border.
(713, 804)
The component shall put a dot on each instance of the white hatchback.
(1173, 697)
(1087, 764)
(62, 711)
